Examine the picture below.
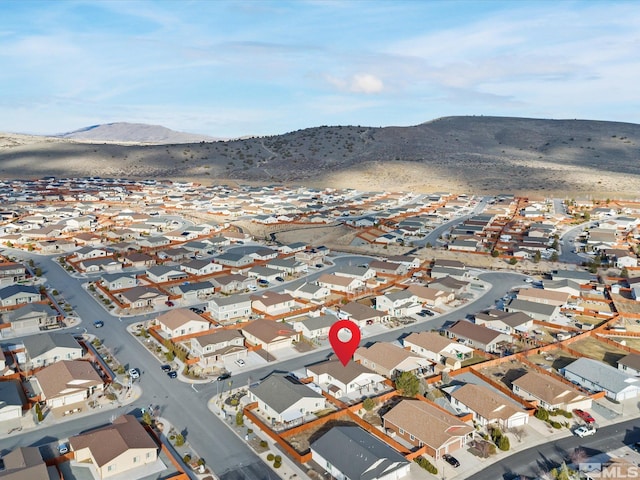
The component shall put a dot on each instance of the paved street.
(185, 406)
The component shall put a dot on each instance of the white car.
(585, 431)
(240, 362)
(133, 373)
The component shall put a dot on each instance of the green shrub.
(240, 419)
(427, 465)
(542, 414)
(179, 440)
(277, 464)
(278, 458)
(270, 457)
(503, 443)
(554, 424)
(186, 458)
(369, 404)
(496, 435)
(263, 443)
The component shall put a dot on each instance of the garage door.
(9, 413)
(518, 422)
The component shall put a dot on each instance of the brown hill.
(481, 154)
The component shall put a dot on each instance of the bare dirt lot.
(592, 348)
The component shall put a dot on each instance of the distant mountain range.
(464, 154)
(123, 132)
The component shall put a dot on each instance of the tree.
(39, 414)
(147, 419)
(537, 257)
(240, 418)
(587, 216)
(407, 384)
(179, 440)
(624, 273)
(542, 414)
(445, 377)
(554, 257)
(513, 261)
(495, 253)
(503, 443)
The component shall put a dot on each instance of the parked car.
(252, 288)
(98, 324)
(586, 416)
(427, 312)
(262, 281)
(240, 362)
(172, 374)
(224, 376)
(421, 314)
(636, 446)
(279, 279)
(166, 368)
(585, 431)
(63, 448)
(134, 373)
(453, 461)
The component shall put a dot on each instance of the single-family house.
(272, 303)
(431, 297)
(162, 274)
(539, 311)
(270, 335)
(313, 327)
(215, 348)
(450, 284)
(439, 349)
(18, 294)
(68, 382)
(26, 463)
(48, 348)
(224, 309)
(138, 260)
(340, 283)
(338, 380)
(597, 376)
(234, 259)
(390, 360)
(549, 392)
(181, 321)
(423, 424)
(478, 336)
(488, 407)
(449, 268)
(235, 282)
(195, 291)
(141, 296)
(350, 452)
(388, 268)
(31, 318)
(630, 364)
(288, 266)
(362, 273)
(361, 315)
(285, 400)
(307, 291)
(547, 297)
(117, 449)
(118, 281)
(506, 322)
(11, 402)
(399, 303)
(201, 267)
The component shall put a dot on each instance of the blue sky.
(262, 67)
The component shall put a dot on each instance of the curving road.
(183, 405)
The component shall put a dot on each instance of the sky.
(260, 67)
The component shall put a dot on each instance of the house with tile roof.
(423, 424)
(270, 335)
(116, 449)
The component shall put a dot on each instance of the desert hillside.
(123, 132)
(481, 154)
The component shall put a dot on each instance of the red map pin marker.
(344, 349)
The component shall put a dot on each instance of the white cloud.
(358, 83)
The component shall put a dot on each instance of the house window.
(411, 437)
(148, 454)
(135, 459)
(110, 468)
(401, 432)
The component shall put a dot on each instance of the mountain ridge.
(462, 153)
(127, 132)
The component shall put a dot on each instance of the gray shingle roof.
(601, 374)
(36, 345)
(358, 454)
(281, 392)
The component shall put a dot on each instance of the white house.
(228, 308)
(181, 321)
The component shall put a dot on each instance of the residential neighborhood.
(481, 332)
